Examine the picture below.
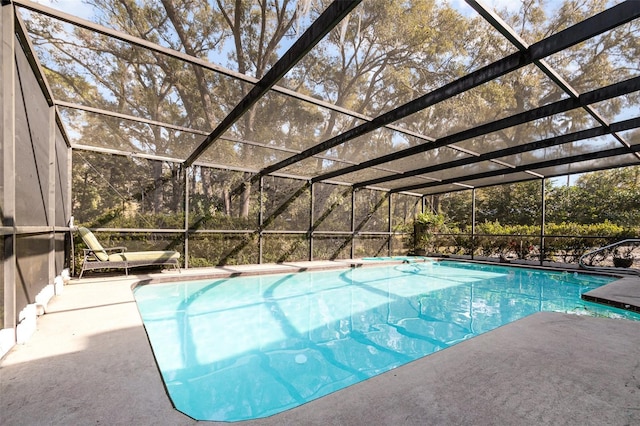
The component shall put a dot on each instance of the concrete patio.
(90, 362)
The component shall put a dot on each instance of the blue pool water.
(249, 347)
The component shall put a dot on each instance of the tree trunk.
(157, 187)
(246, 199)
(227, 201)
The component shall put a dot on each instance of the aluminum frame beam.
(504, 29)
(598, 95)
(88, 25)
(526, 167)
(597, 24)
(519, 149)
(33, 60)
(98, 111)
(136, 41)
(312, 36)
(492, 18)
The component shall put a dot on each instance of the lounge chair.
(98, 257)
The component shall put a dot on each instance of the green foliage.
(494, 239)
(331, 247)
(609, 195)
(285, 248)
(513, 204)
(426, 226)
(116, 218)
(367, 67)
(213, 249)
(433, 220)
(564, 242)
(596, 198)
(221, 221)
(569, 241)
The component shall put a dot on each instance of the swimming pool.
(249, 347)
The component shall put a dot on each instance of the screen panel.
(278, 248)
(548, 127)
(371, 246)
(511, 94)
(565, 150)
(404, 210)
(100, 71)
(413, 180)
(506, 178)
(161, 24)
(600, 61)
(400, 245)
(516, 204)
(631, 136)
(210, 249)
(32, 118)
(234, 153)
(537, 20)
(371, 211)
(222, 199)
(384, 55)
(585, 166)
(62, 180)
(377, 143)
(428, 158)
(367, 174)
(103, 131)
(331, 247)
(619, 108)
(126, 192)
(286, 204)
(282, 121)
(32, 268)
(332, 207)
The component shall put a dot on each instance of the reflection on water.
(249, 347)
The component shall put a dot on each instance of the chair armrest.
(120, 249)
(89, 253)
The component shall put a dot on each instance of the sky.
(81, 9)
(73, 7)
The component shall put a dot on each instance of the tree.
(148, 84)
(382, 55)
(608, 195)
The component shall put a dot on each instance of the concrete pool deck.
(89, 362)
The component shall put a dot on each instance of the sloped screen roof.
(417, 96)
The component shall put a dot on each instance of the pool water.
(249, 347)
